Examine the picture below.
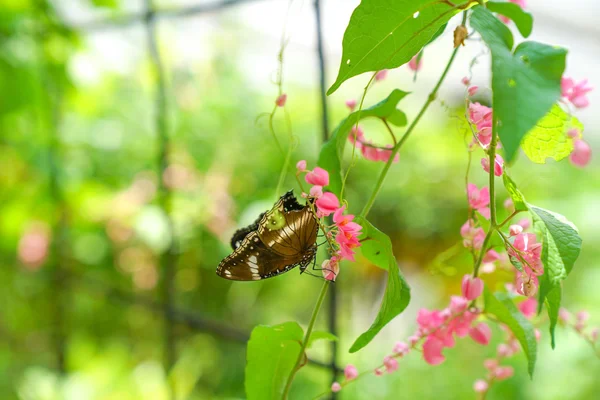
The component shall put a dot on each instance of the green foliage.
(548, 138)
(377, 248)
(525, 83)
(502, 306)
(385, 35)
(561, 248)
(271, 357)
(321, 335)
(522, 19)
(514, 193)
(333, 150)
(106, 3)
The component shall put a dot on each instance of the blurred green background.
(83, 229)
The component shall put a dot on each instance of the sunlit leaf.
(515, 194)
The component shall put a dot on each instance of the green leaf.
(548, 138)
(377, 248)
(384, 34)
(516, 263)
(271, 356)
(560, 249)
(438, 33)
(500, 305)
(525, 83)
(106, 3)
(320, 335)
(514, 193)
(332, 151)
(523, 20)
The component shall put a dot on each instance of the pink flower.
(458, 304)
(327, 204)
(471, 287)
(465, 81)
(526, 284)
(318, 176)
(356, 135)
(472, 90)
(347, 241)
(514, 230)
(529, 253)
(563, 315)
(478, 198)
(344, 222)
(508, 204)
(330, 269)
(480, 386)
(336, 387)
(575, 93)
(594, 333)
(432, 351)
(378, 372)
(525, 223)
(301, 166)
(281, 100)
(481, 116)
(498, 165)
(350, 372)
(401, 348)
(581, 154)
(490, 364)
(316, 191)
(481, 333)
(351, 104)
(502, 373)
(472, 236)
(491, 256)
(34, 246)
(381, 75)
(504, 350)
(391, 364)
(528, 307)
(415, 63)
(574, 133)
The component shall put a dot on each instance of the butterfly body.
(279, 240)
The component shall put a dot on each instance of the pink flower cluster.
(345, 229)
(479, 200)
(473, 236)
(510, 346)
(579, 324)
(528, 252)
(438, 328)
(582, 153)
(481, 117)
(575, 93)
(370, 151)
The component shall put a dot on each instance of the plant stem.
(311, 325)
(410, 129)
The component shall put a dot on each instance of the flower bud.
(336, 387)
(280, 102)
(471, 287)
(514, 230)
(480, 386)
(350, 372)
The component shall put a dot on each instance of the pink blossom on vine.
(528, 307)
(526, 284)
(564, 316)
(480, 386)
(503, 372)
(336, 387)
(491, 256)
(472, 90)
(301, 166)
(316, 191)
(481, 117)
(581, 154)
(432, 351)
(356, 136)
(318, 177)
(344, 222)
(525, 223)
(401, 348)
(471, 287)
(574, 133)
(490, 364)
(473, 237)
(415, 63)
(504, 350)
(514, 230)
(594, 334)
(351, 104)
(391, 364)
(498, 165)
(458, 304)
(575, 93)
(465, 81)
(581, 320)
(350, 372)
(481, 333)
(528, 251)
(327, 204)
(347, 241)
(509, 205)
(381, 75)
(280, 101)
(378, 372)
(478, 198)
(331, 268)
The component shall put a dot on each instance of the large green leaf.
(522, 19)
(500, 305)
(561, 248)
(514, 193)
(548, 138)
(271, 356)
(377, 248)
(333, 150)
(385, 34)
(525, 83)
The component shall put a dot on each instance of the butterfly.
(279, 240)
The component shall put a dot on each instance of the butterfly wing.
(239, 235)
(294, 236)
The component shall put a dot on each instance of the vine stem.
(430, 99)
(311, 325)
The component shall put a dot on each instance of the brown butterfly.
(280, 239)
